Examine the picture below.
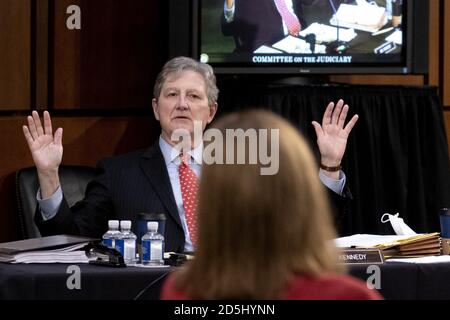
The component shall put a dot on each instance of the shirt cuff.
(229, 13)
(49, 207)
(336, 185)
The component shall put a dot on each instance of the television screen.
(303, 36)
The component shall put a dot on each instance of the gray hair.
(180, 64)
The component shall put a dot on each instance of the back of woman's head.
(256, 230)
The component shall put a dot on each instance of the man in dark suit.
(254, 23)
(148, 181)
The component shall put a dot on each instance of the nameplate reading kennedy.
(361, 256)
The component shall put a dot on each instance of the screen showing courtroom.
(306, 34)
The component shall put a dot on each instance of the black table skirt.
(49, 281)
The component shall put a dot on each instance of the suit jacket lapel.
(152, 163)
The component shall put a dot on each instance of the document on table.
(295, 45)
(368, 18)
(367, 240)
(325, 33)
(71, 254)
(396, 37)
(399, 246)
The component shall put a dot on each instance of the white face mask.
(397, 223)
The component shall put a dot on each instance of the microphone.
(311, 39)
(338, 45)
(332, 6)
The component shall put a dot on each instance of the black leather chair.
(73, 179)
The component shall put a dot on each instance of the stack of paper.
(420, 245)
(295, 45)
(367, 18)
(65, 255)
(415, 246)
(325, 33)
(53, 249)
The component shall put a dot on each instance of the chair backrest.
(73, 179)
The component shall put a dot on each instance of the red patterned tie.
(189, 187)
(291, 20)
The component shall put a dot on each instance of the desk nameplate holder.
(360, 256)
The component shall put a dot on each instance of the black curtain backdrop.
(397, 154)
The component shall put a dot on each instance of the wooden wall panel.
(446, 55)
(65, 57)
(15, 47)
(113, 60)
(41, 54)
(411, 80)
(14, 155)
(433, 44)
(86, 140)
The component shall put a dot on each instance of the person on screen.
(264, 236)
(151, 180)
(254, 23)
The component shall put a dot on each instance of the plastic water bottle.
(126, 244)
(153, 246)
(109, 238)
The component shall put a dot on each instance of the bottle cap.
(113, 224)
(125, 224)
(152, 226)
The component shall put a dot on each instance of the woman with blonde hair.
(264, 236)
